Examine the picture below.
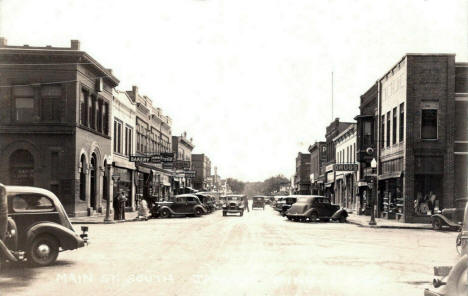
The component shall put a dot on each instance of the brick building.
(54, 123)
(202, 165)
(302, 177)
(328, 172)
(416, 135)
(182, 148)
(318, 157)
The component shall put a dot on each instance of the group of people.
(119, 207)
(425, 203)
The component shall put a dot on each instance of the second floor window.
(128, 141)
(24, 103)
(117, 137)
(394, 126)
(402, 121)
(52, 105)
(388, 129)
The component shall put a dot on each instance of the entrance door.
(22, 168)
(93, 182)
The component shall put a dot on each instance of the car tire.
(198, 212)
(242, 213)
(313, 217)
(289, 218)
(43, 250)
(224, 213)
(165, 213)
(437, 224)
(342, 219)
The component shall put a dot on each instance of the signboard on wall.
(345, 167)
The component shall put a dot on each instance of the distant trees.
(236, 185)
(267, 187)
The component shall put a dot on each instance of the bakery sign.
(345, 167)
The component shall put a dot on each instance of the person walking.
(246, 203)
(116, 205)
(123, 199)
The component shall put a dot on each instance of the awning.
(329, 184)
(143, 170)
(391, 175)
(124, 164)
(339, 177)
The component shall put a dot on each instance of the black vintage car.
(207, 200)
(450, 218)
(183, 205)
(38, 226)
(234, 204)
(314, 207)
(258, 201)
(287, 203)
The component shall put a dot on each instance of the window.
(52, 105)
(84, 107)
(117, 137)
(429, 124)
(105, 118)
(90, 112)
(367, 139)
(402, 122)
(128, 141)
(388, 129)
(24, 103)
(394, 131)
(99, 116)
(32, 203)
(92, 120)
(382, 132)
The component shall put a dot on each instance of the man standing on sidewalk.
(246, 203)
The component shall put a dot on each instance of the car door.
(26, 209)
(179, 204)
(328, 209)
(190, 205)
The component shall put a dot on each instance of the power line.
(48, 83)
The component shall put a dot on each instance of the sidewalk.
(363, 221)
(99, 219)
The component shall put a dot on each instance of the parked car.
(451, 218)
(314, 207)
(258, 201)
(286, 204)
(451, 281)
(38, 226)
(207, 201)
(182, 205)
(278, 203)
(234, 204)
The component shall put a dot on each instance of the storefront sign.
(190, 174)
(182, 164)
(345, 167)
(168, 165)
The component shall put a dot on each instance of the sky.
(249, 80)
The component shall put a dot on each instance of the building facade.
(123, 145)
(418, 137)
(302, 177)
(328, 172)
(182, 148)
(202, 165)
(318, 157)
(346, 169)
(55, 112)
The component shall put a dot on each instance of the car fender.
(201, 207)
(166, 207)
(12, 242)
(67, 238)
(341, 212)
(444, 219)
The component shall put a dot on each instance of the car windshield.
(233, 198)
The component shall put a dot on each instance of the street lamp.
(374, 191)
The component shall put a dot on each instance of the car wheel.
(242, 213)
(342, 219)
(313, 217)
(224, 213)
(198, 212)
(43, 251)
(437, 224)
(289, 218)
(165, 213)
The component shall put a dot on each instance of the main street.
(260, 253)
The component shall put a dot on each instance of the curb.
(388, 226)
(107, 222)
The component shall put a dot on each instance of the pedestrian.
(143, 211)
(123, 199)
(431, 201)
(116, 205)
(246, 203)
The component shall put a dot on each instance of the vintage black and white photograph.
(234, 147)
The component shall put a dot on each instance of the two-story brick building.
(318, 157)
(55, 123)
(202, 165)
(302, 176)
(182, 148)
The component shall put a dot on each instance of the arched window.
(22, 168)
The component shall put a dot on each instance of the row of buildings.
(409, 142)
(65, 126)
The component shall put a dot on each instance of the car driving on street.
(234, 204)
(258, 201)
(182, 205)
(314, 207)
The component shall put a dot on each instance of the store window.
(429, 124)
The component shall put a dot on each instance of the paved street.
(258, 254)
